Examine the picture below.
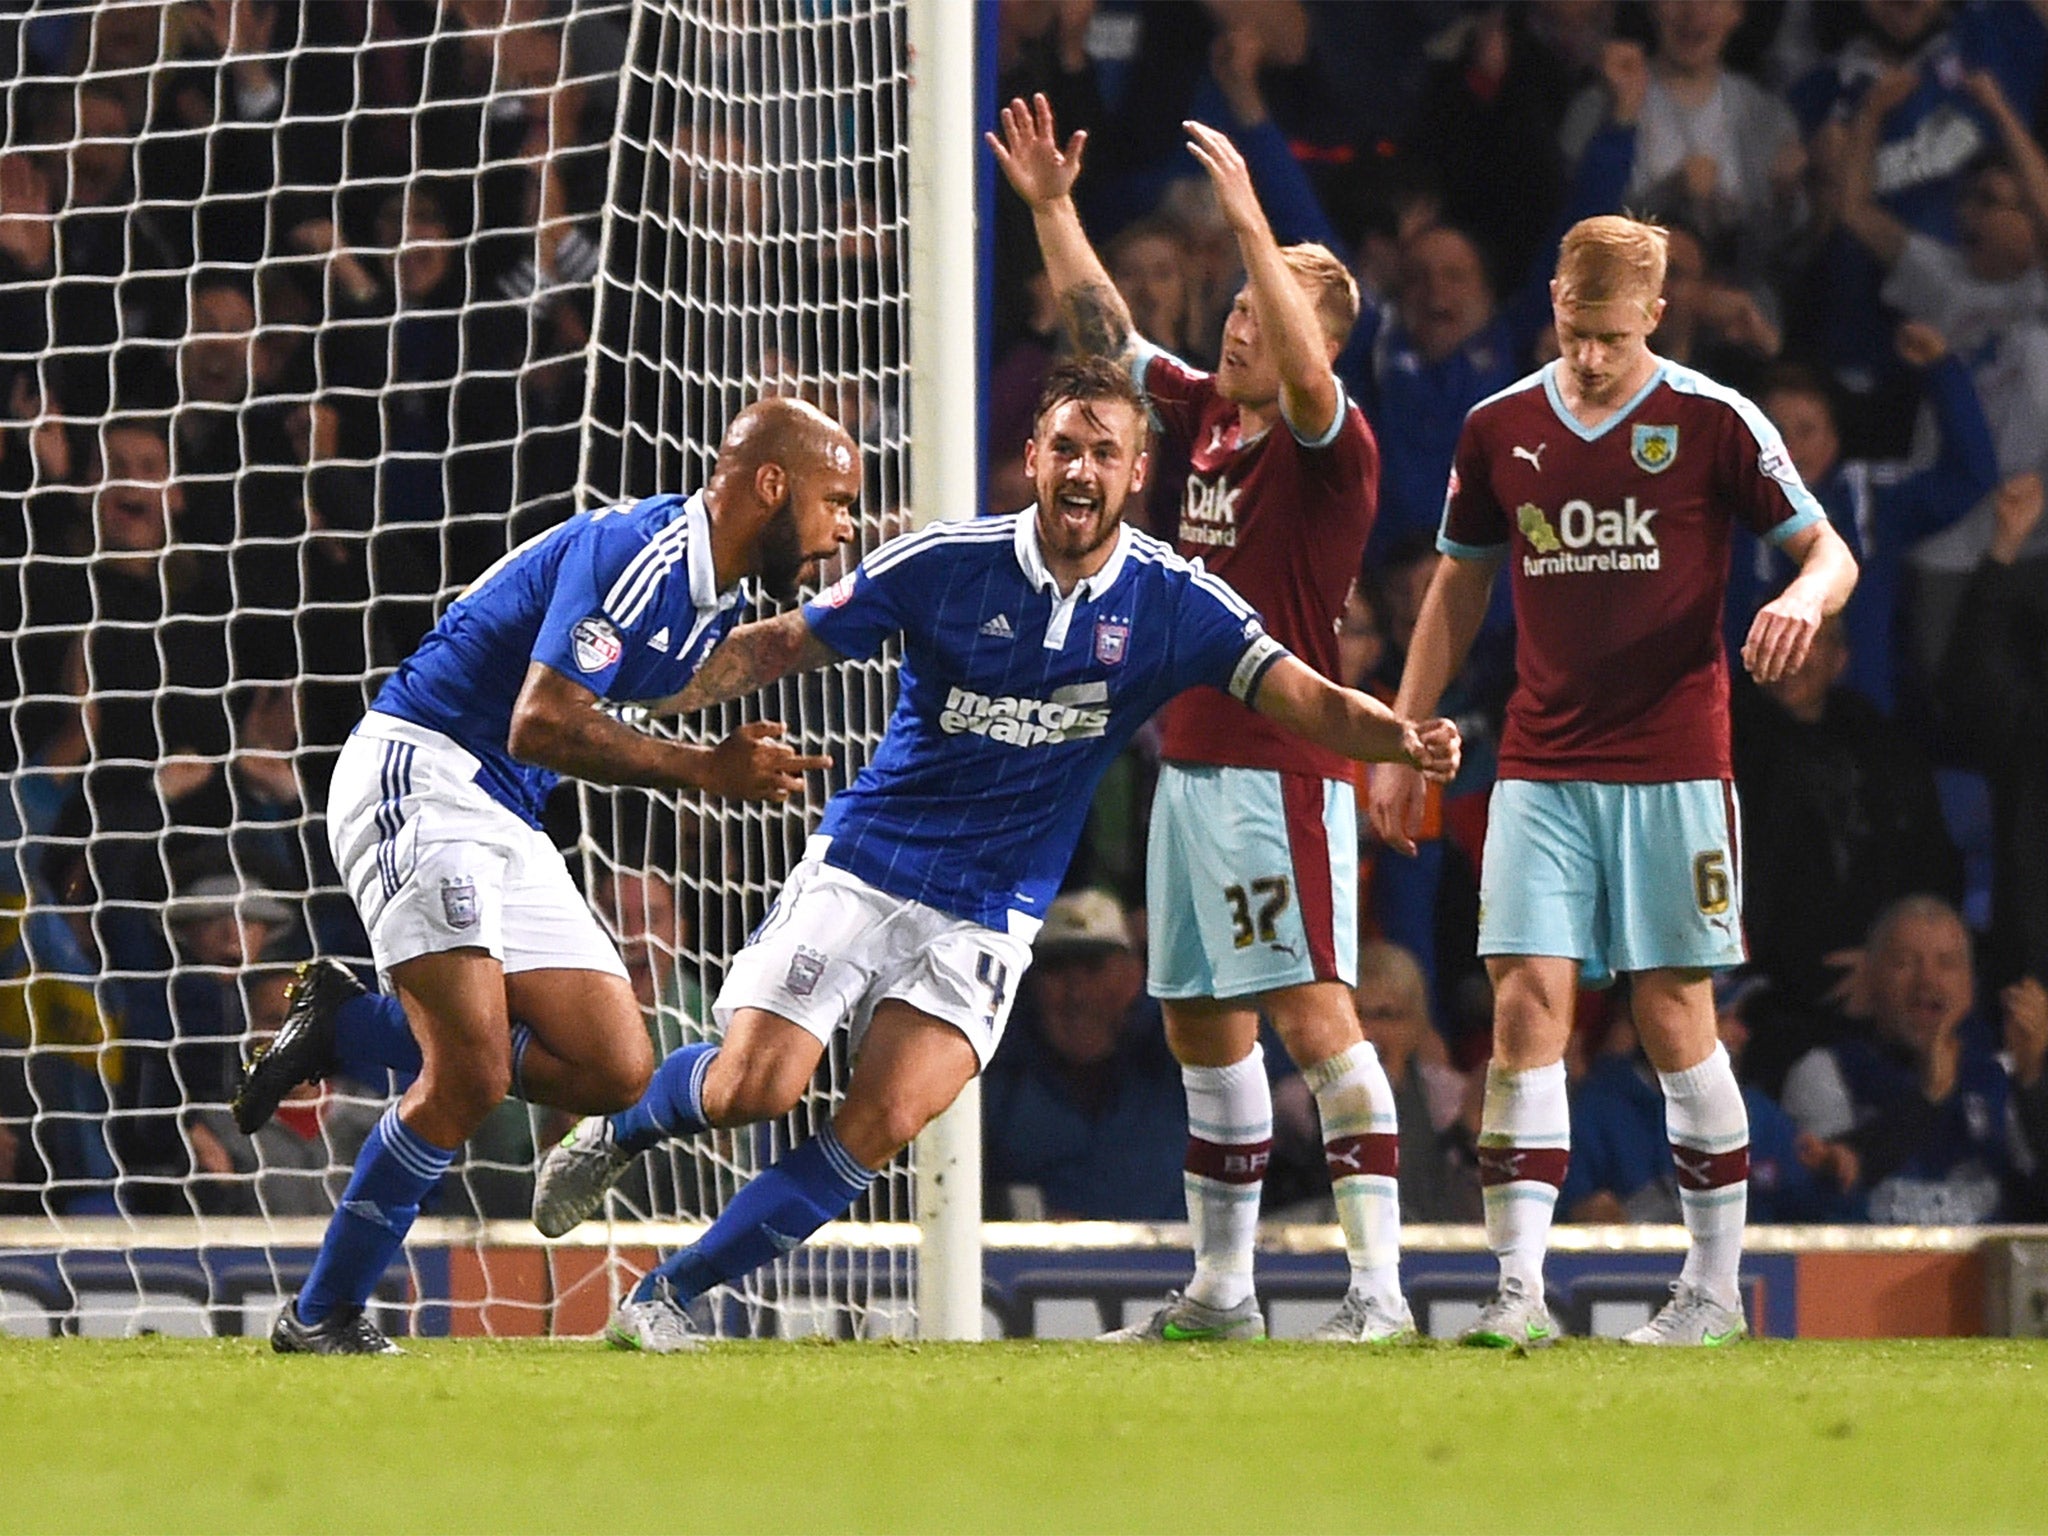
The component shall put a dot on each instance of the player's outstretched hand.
(1029, 151)
(1395, 805)
(1781, 636)
(753, 763)
(1233, 178)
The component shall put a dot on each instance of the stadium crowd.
(282, 342)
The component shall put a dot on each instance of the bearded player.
(1252, 858)
(434, 818)
(1034, 645)
(1609, 482)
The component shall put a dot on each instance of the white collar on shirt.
(704, 594)
(1089, 588)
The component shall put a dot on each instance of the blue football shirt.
(623, 600)
(1012, 701)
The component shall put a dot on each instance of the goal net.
(754, 243)
(308, 312)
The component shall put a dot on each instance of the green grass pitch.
(174, 1435)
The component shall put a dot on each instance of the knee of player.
(626, 1071)
(876, 1132)
(468, 1087)
(741, 1087)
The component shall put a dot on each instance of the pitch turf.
(164, 1435)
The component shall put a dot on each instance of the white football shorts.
(434, 863)
(833, 948)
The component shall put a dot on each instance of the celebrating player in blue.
(1034, 645)
(435, 821)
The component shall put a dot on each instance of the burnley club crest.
(1653, 448)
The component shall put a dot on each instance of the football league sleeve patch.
(582, 635)
(860, 611)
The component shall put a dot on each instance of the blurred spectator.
(1929, 1109)
(1996, 683)
(1440, 351)
(1486, 130)
(1082, 1108)
(129, 646)
(1710, 149)
(1926, 136)
(61, 1034)
(1988, 295)
(1986, 292)
(639, 909)
(1881, 508)
(1710, 323)
(1439, 1169)
(1839, 819)
(1621, 1164)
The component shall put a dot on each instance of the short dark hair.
(1088, 380)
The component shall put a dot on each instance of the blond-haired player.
(1251, 870)
(1608, 482)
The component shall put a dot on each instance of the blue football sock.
(371, 1035)
(394, 1172)
(522, 1037)
(673, 1104)
(773, 1212)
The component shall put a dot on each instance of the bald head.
(786, 431)
(781, 494)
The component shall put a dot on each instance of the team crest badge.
(1536, 528)
(805, 967)
(1653, 448)
(1111, 640)
(596, 643)
(458, 902)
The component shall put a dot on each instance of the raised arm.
(1298, 697)
(1097, 320)
(1865, 218)
(2029, 164)
(556, 724)
(1286, 315)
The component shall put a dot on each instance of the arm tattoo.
(751, 658)
(1097, 319)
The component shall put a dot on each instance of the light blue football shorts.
(1622, 877)
(1251, 881)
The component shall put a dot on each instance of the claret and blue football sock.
(1362, 1146)
(1708, 1127)
(773, 1213)
(1525, 1144)
(1230, 1140)
(673, 1104)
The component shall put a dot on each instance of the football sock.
(522, 1037)
(673, 1104)
(371, 1036)
(1363, 1149)
(1708, 1126)
(1230, 1138)
(773, 1212)
(394, 1172)
(1525, 1140)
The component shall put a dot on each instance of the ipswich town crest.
(1111, 638)
(806, 966)
(1653, 448)
(458, 902)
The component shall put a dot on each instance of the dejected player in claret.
(1034, 645)
(435, 821)
(1608, 483)
(1252, 857)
